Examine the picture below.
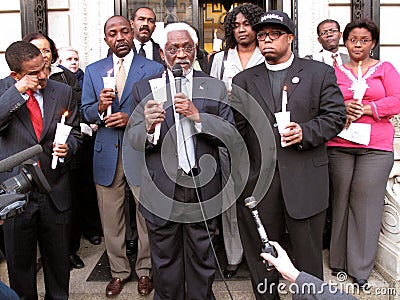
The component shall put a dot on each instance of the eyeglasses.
(362, 41)
(326, 32)
(45, 51)
(273, 35)
(175, 50)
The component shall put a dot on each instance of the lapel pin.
(295, 79)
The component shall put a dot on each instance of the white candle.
(63, 116)
(359, 71)
(284, 98)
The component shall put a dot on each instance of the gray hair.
(62, 50)
(178, 27)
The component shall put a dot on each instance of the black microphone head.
(250, 202)
(177, 70)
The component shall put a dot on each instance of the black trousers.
(182, 258)
(305, 237)
(85, 209)
(40, 223)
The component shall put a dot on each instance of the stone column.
(388, 256)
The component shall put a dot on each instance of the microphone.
(177, 71)
(251, 203)
(20, 157)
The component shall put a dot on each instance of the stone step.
(80, 289)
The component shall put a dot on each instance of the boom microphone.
(18, 158)
(251, 203)
(177, 71)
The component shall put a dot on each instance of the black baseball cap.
(275, 17)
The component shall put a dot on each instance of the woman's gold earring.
(371, 53)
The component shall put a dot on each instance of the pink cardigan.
(383, 94)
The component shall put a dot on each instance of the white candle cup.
(282, 120)
(109, 82)
(217, 43)
(229, 73)
(61, 137)
(360, 87)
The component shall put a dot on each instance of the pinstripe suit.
(46, 218)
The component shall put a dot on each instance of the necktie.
(35, 113)
(335, 63)
(185, 131)
(141, 51)
(121, 78)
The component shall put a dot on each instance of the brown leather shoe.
(114, 287)
(145, 285)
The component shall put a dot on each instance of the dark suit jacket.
(316, 104)
(17, 134)
(106, 145)
(159, 175)
(156, 52)
(345, 57)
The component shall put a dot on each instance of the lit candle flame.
(64, 115)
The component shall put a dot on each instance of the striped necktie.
(186, 155)
(335, 63)
(121, 78)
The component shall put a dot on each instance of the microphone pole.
(251, 203)
(18, 158)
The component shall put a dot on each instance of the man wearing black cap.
(298, 194)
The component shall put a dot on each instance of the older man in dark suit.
(30, 108)
(298, 195)
(179, 235)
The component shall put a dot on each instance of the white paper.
(359, 133)
(61, 137)
(86, 129)
(158, 88)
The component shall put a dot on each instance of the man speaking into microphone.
(30, 108)
(181, 166)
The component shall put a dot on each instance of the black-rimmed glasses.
(273, 35)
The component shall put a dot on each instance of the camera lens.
(19, 183)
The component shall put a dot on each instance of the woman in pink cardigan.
(360, 162)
